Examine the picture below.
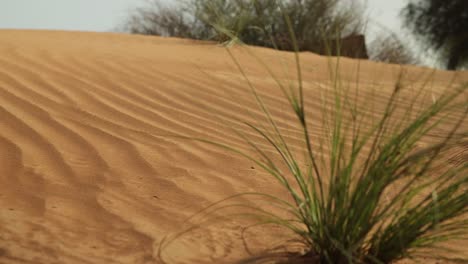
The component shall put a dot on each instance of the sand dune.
(88, 173)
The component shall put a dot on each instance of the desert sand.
(89, 170)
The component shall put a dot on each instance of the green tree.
(443, 26)
(255, 22)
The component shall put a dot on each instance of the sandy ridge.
(87, 171)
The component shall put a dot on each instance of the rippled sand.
(88, 171)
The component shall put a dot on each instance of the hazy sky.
(86, 15)
(105, 15)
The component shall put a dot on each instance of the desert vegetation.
(389, 48)
(257, 23)
(441, 26)
(325, 27)
(119, 148)
(364, 189)
(364, 193)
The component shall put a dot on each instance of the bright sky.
(106, 15)
(386, 13)
(83, 15)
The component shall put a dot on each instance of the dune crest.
(88, 171)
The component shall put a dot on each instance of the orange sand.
(87, 171)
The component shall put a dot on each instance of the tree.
(443, 26)
(255, 22)
(389, 48)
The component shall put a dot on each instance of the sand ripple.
(88, 173)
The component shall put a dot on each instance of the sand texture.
(89, 171)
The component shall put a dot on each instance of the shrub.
(255, 22)
(390, 49)
(157, 19)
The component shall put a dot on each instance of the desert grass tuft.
(373, 185)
